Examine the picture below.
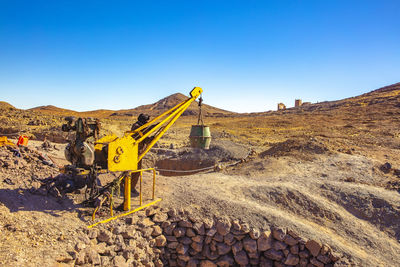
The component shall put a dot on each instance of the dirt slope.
(4, 105)
(152, 109)
(314, 197)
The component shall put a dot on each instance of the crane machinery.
(118, 155)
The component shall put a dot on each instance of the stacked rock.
(174, 238)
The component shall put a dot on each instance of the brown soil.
(320, 170)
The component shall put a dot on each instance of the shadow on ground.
(24, 200)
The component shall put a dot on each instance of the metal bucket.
(200, 136)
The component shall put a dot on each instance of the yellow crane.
(119, 154)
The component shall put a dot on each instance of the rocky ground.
(326, 174)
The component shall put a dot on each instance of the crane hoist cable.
(200, 118)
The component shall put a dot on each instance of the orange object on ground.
(23, 140)
(4, 141)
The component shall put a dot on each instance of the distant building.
(281, 106)
(297, 103)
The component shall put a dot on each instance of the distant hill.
(388, 96)
(5, 105)
(151, 109)
(384, 98)
(53, 110)
(171, 101)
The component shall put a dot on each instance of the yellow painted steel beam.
(157, 118)
(173, 114)
(127, 192)
(140, 188)
(122, 154)
(173, 118)
(154, 183)
(195, 93)
(124, 214)
(141, 179)
(94, 213)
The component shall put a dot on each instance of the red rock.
(264, 262)
(250, 245)
(104, 236)
(278, 245)
(254, 234)
(198, 239)
(198, 247)
(172, 245)
(151, 211)
(238, 246)
(291, 260)
(80, 246)
(236, 225)
(192, 263)
(217, 237)
(211, 255)
(190, 232)
(241, 258)
(160, 217)
(316, 262)
(185, 240)
(171, 238)
(225, 261)
(278, 234)
(179, 232)
(156, 231)
(207, 263)
(199, 228)
(245, 228)
(169, 229)
(274, 254)
(145, 222)
(314, 247)
(290, 240)
(229, 239)
(223, 249)
(304, 254)
(161, 241)
(324, 258)
(303, 262)
(294, 249)
(184, 257)
(223, 227)
(182, 249)
(264, 242)
(120, 261)
(211, 232)
(185, 223)
(208, 223)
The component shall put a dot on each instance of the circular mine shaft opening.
(186, 161)
(178, 167)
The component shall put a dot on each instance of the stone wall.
(156, 237)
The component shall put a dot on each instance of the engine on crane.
(80, 152)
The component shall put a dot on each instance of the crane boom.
(115, 154)
(124, 153)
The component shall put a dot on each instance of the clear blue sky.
(247, 55)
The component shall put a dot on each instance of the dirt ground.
(330, 171)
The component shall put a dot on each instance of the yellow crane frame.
(123, 153)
